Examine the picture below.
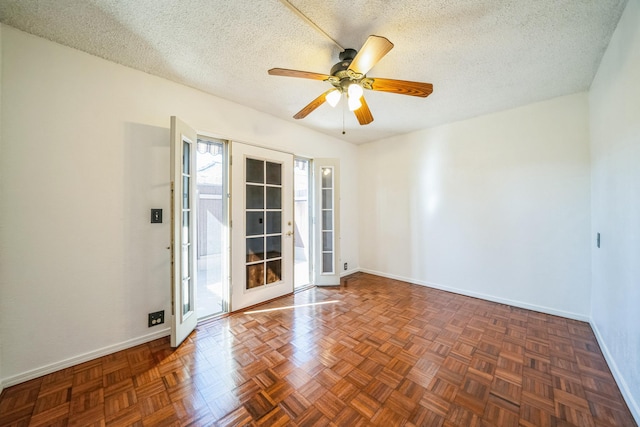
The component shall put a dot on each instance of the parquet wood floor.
(373, 352)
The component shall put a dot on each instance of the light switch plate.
(156, 216)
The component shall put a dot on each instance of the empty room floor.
(373, 351)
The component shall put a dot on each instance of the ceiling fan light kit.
(349, 77)
(334, 97)
(354, 103)
(355, 91)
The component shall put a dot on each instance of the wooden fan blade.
(402, 87)
(371, 52)
(297, 73)
(312, 105)
(363, 114)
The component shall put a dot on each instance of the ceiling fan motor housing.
(346, 56)
(341, 76)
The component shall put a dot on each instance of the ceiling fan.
(348, 78)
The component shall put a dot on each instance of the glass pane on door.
(274, 271)
(255, 249)
(274, 247)
(274, 173)
(255, 275)
(274, 197)
(263, 205)
(255, 171)
(255, 196)
(186, 268)
(255, 223)
(274, 222)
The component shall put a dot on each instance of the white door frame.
(183, 235)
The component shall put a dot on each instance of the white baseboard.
(633, 405)
(349, 272)
(75, 360)
(343, 274)
(492, 298)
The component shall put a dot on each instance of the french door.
(327, 224)
(262, 226)
(183, 236)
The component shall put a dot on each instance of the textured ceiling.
(481, 56)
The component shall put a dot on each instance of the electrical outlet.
(156, 318)
(345, 266)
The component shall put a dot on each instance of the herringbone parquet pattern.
(373, 352)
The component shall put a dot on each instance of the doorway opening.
(302, 215)
(211, 224)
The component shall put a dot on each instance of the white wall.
(495, 207)
(85, 155)
(1, 198)
(614, 102)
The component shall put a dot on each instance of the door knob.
(289, 233)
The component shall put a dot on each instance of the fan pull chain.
(309, 21)
(343, 107)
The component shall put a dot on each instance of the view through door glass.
(302, 273)
(263, 222)
(211, 228)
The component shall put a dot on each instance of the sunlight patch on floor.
(290, 306)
